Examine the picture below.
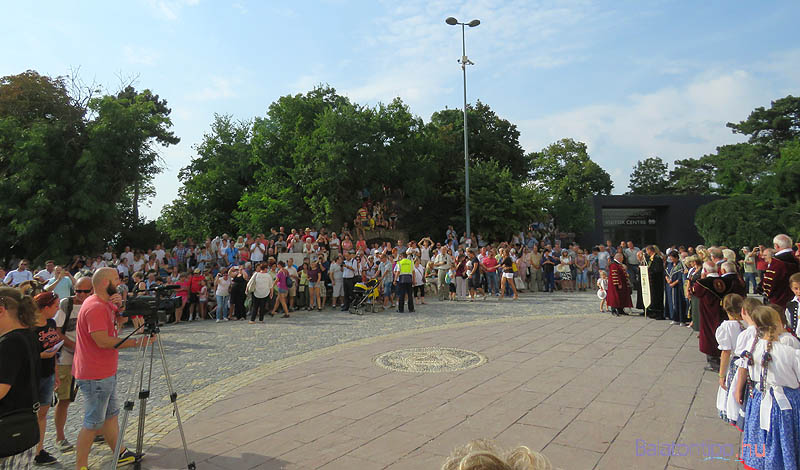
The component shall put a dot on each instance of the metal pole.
(466, 144)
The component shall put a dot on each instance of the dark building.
(645, 220)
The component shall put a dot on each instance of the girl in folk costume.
(602, 290)
(771, 437)
(727, 334)
(734, 408)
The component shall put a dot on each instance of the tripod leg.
(144, 394)
(128, 406)
(173, 397)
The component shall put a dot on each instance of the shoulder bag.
(19, 429)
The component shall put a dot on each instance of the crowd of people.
(750, 342)
(66, 317)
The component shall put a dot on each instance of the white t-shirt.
(160, 255)
(257, 251)
(127, 256)
(45, 275)
(123, 270)
(65, 358)
(335, 272)
(15, 277)
(223, 287)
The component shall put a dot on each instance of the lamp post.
(464, 61)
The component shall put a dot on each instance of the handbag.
(19, 429)
(248, 301)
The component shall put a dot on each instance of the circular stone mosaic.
(430, 360)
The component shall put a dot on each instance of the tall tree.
(213, 183)
(650, 176)
(128, 128)
(564, 171)
(692, 176)
(771, 128)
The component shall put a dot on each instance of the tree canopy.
(70, 164)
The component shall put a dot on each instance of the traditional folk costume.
(676, 308)
(792, 312)
(726, 336)
(694, 303)
(655, 272)
(619, 293)
(745, 343)
(771, 437)
(710, 291)
(775, 283)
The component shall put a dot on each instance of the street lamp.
(464, 61)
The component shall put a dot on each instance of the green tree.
(68, 173)
(129, 128)
(499, 204)
(738, 220)
(649, 176)
(692, 176)
(770, 129)
(213, 183)
(569, 178)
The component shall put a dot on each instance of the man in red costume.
(619, 294)
(710, 290)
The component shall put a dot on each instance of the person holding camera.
(94, 365)
(19, 380)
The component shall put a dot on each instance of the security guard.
(403, 276)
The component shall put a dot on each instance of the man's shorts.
(66, 387)
(293, 290)
(387, 288)
(101, 401)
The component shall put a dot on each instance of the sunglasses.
(83, 291)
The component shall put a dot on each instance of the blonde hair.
(768, 323)
(750, 304)
(732, 304)
(485, 455)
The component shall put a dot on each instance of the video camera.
(149, 306)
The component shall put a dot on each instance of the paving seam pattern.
(677, 351)
(160, 421)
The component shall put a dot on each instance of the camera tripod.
(150, 329)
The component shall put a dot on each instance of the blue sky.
(631, 79)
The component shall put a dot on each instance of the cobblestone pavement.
(203, 353)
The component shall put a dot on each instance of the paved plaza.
(548, 371)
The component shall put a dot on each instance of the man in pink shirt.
(94, 365)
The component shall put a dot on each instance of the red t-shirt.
(196, 281)
(490, 262)
(183, 292)
(90, 361)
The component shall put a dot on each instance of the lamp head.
(474, 23)
(451, 21)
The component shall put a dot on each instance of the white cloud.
(140, 55)
(672, 122)
(220, 87)
(170, 9)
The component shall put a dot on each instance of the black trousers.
(259, 306)
(349, 284)
(404, 289)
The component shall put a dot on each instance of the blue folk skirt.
(778, 448)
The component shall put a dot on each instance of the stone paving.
(305, 393)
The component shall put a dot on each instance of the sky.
(631, 79)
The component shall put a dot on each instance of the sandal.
(285, 315)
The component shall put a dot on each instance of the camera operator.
(95, 364)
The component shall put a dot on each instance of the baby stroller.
(365, 295)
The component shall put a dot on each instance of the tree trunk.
(136, 202)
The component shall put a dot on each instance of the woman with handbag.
(19, 381)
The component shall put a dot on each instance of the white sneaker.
(673, 323)
(227, 319)
(218, 320)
